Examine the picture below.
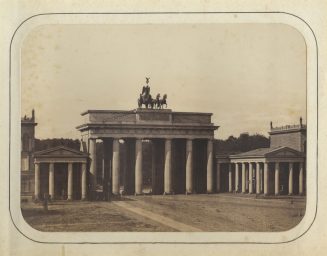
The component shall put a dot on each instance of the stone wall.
(293, 140)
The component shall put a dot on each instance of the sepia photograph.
(163, 127)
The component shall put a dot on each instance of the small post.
(45, 202)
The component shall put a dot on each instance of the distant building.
(279, 169)
(27, 154)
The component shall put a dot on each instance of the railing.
(288, 127)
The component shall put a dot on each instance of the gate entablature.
(141, 123)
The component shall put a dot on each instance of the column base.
(36, 200)
(138, 194)
(168, 193)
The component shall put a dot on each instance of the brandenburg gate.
(182, 149)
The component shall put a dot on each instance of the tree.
(243, 143)
(42, 144)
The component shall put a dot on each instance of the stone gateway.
(182, 150)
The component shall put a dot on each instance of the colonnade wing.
(265, 170)
(48, 163)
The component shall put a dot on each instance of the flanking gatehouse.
(277, 170)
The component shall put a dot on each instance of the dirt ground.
(217, 212)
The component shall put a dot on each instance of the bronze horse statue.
(145, 100)
(162, 102)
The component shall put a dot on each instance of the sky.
(245, 74)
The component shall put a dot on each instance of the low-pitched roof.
(60, 151)
(269, 152)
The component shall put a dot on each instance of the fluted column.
(83, 182)
(250, 178)
(237, 189)
(266, 179)
(301, 174)
(210, 166)
(246, 177)
(115, 167)
(257, 178)
(51, 180)
(168, 170)
(70, 182)
(218, 178)
(243, 178)
(138, 167)
(37, 181)
(277, 178)
(290, 179)
(154, 166)
(93, 164)
(230, 178)
(189, 166)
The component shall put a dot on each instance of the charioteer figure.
(146, 88)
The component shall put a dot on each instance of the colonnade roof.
(280, 152)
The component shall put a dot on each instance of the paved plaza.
(188, 213)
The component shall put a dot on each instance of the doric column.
(247, 177)
(154, 166)
(230, 178)
(218, 178)
(257, 178)
(210, 166)
(243, 178)
(261, 180)
(290, 179)
(115, 167)
(189, 166)
(138, 167)
(250, 178)
(301, 191)
(83, 182)
(266, 179)
(167, 172)
(93, 165)
(37, 181)
(70, 182)
(277, 178)
(237, 189)
(51, 180)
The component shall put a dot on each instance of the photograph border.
(162, 13)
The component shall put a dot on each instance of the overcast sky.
(245, 74)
